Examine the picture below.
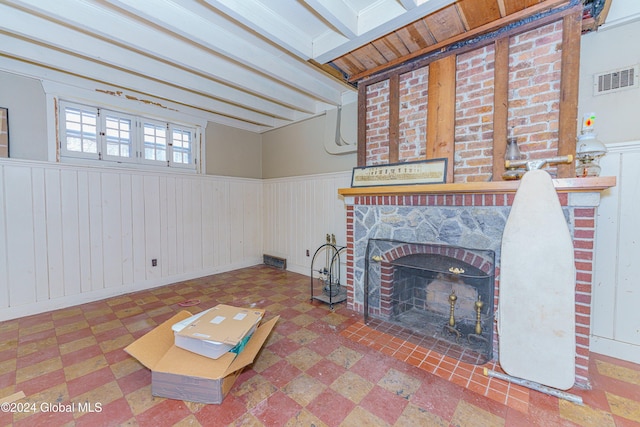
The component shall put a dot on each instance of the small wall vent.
(274, 261)
(616, 80)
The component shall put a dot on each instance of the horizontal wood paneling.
(71, 234)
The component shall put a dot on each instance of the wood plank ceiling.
(453, 23)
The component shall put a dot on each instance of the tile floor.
(318, 368)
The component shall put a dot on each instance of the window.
(100, 134)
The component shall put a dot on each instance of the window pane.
(74, 144)
(181, 146)
(81, 130)
(118, 136)
(89, 145)
(155, 142)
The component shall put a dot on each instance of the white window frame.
(137, 156)
(65, 151)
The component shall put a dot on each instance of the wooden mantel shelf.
(563, 185)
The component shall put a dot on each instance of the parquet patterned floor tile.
(319, 367)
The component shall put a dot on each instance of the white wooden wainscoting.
(616, 293)
(72, 234)
(300, 212)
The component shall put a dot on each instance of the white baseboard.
(617, 349)
(83, 298)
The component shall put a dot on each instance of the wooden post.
(441, 111)
(394, 118)
(500, 106)
(362, 124)
(569, 84)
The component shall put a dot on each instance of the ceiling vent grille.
(617, 80)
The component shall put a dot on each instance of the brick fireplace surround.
(401, 212)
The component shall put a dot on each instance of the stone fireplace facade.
(473, 220)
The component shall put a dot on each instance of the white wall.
(25, 99)
(604, 51)
(72, 234)
(615, 324)
(233, 152)
(299, 149)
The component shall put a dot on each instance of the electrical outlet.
(154, 262)
(307, 252)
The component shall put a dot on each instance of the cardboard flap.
(183, 362)
(252, 348)
(151, 347)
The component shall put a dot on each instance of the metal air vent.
(614, 81)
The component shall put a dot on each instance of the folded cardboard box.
(218, 330)
(180, 374)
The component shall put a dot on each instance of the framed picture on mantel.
(4, 132)
(432, 171)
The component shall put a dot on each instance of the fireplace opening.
(438, 296)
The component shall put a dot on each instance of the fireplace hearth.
(441, 294)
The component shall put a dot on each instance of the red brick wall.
(534, 90)
(413, 115)
(377, 134)
(533, 106)
(474, 115)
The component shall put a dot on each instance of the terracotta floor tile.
(384, 404)
(344, 356)
(86, 350)
(304, 389)
(37, 369)
(399, 383)
(254, 390)
(72, 327)
(75, 336)
(331, 407)
(352, 386)
(323, 345)
(167, 412)
(224, 414)
(467, 414)
(584, 415)
(116, 412)
(41, 355)
(623, 407)
(135, 380)
(281, 373)
(42, 382)
(319, 367)
(326, 371)
(89, 382)
(45, 419)
(303, 358)
(276, 410)
(284, 347)
(437, 396)
(415, 416)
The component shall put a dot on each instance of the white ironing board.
(536, 306)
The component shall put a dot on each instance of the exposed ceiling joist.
(251, 64)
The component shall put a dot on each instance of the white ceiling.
(242, 63)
